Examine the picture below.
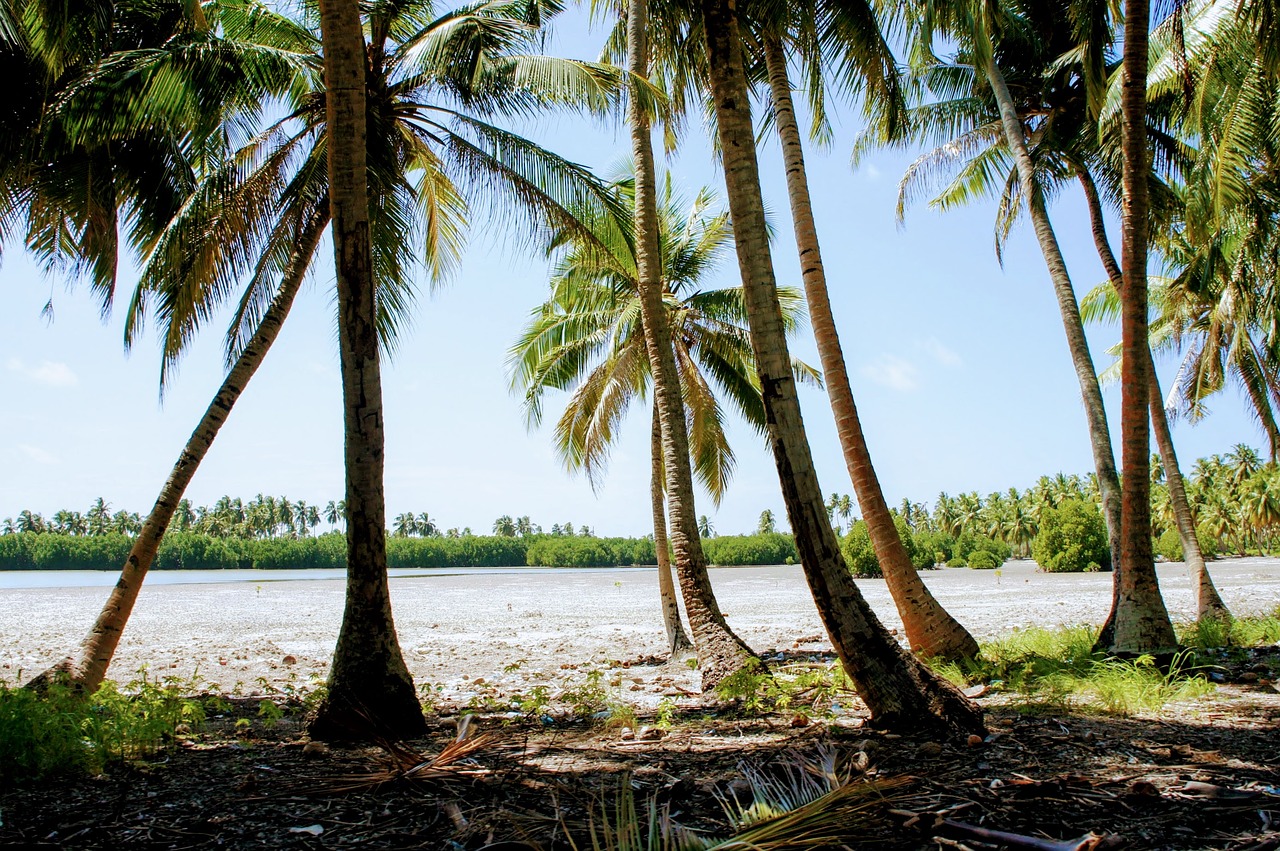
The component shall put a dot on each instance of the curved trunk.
(931, 631)
(370, 692)
(677, 640)
(1095, 412)
(89, 668)
(1208, 602)
(720, 651)
(899, 690)
(1142, 622)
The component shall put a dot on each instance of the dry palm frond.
(403, 763)
(809, 803)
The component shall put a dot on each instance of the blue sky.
(960, 370)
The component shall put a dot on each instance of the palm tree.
(427, 527)
(767, 524)
(590, 335)
(260, 214)
(1141, 621)
(406, 524)
(720, 651)
(930, 629)
(505, 526)
(705, 527)
(992, 131)
(897, 688)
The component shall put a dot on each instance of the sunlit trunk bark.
(931, 631)
(370, 692)
(899, 690)
(89, 667)
(720, 651)
(1208, 602)
(1142, 622)
(677, 640)
(1091, 393)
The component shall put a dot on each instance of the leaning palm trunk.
(677, 641)
(720, 651)
(1141, 620)
(370, 691)
(90, 668)
(931, 631)
(899, 690)
(1095, 412)
(1208, 602)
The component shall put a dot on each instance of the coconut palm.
(258, 213)
(854, 28)
(590, 336)
(897, 688)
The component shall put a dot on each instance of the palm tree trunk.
(1095, 412)
(98, 649)
(899, 690)
(720, 651)
(931, 631)
(1142, 622)
(1208, 602)
(370, 690)
(677, 640)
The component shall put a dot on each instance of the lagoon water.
(106, 578)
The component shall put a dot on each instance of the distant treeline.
(194, 551)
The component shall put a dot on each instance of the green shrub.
(957, 561)
(192, 551)
(1169, 545)
(15, 552)
(570, 551)
(61, 732)
(1072, 538)
(744, 550)
(934, 547)
(968, 544)
(984, 560)
(858, 552)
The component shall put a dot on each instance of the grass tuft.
(1057, 670)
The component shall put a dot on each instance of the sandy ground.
(465, 634)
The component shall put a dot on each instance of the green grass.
(62, 732)
(1057, 670)
(1240, 632)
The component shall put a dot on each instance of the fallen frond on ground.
(402, 763)
(804, 802)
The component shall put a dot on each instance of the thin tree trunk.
(1142, 622)
(677, 640)
(720, 651)
(931, 631)
(1208, 602)
(900, 691)
(89, 668)
(1095, 412)
(370, 691)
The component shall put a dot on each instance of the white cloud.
(871, 172)
(35, 453)
(48, 373)
(893, 372)
(940, 353)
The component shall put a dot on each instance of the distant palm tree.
(767, 524)
(406, 525)
(590, 336)
(705, 529)
(505, 526)
(426, 526)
